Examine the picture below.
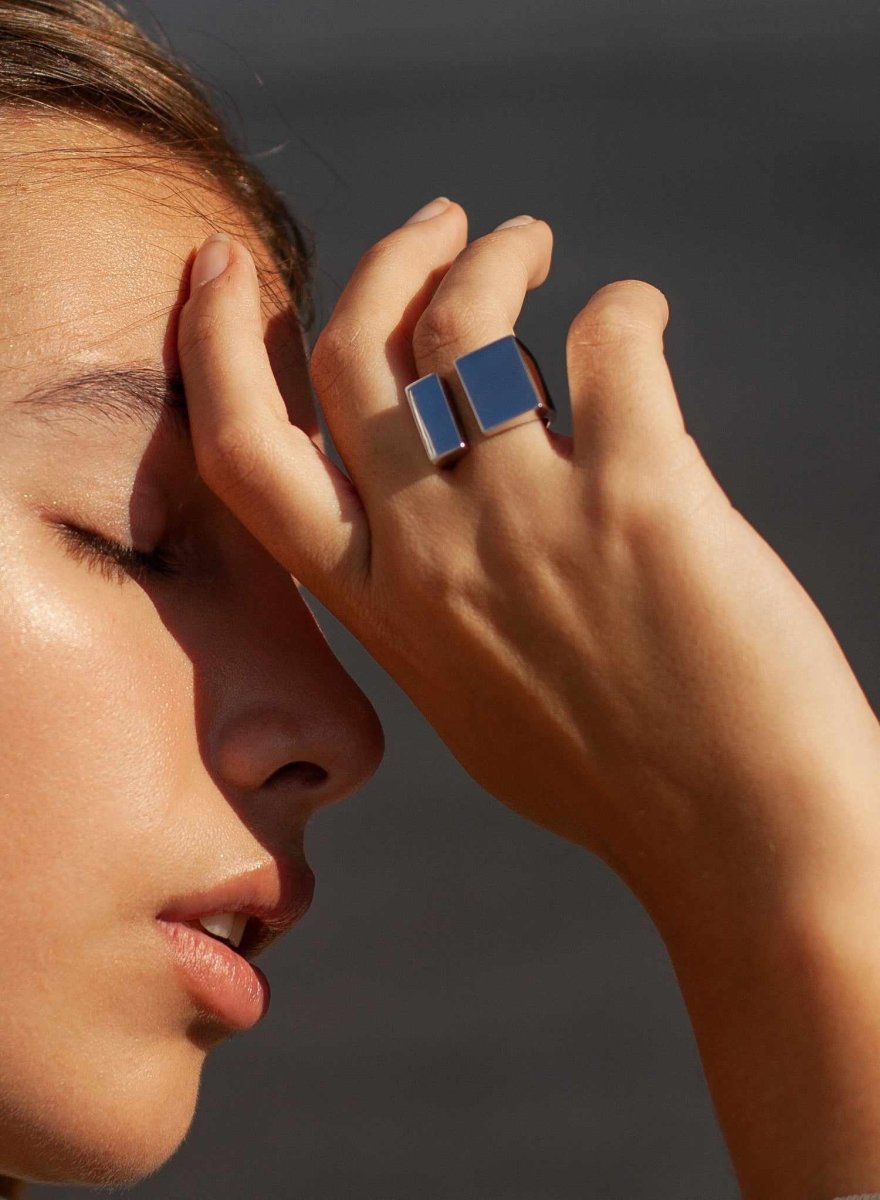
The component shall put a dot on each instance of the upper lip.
(274, 895)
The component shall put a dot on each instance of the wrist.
(780, 973)
(785, 844)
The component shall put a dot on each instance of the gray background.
(474, 1008)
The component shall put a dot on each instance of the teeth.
(238, 929)
(229, 926)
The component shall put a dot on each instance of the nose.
(286, 725)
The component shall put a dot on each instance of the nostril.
(304, 773)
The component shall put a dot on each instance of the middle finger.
(478, 301)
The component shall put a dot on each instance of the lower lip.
(216, 977)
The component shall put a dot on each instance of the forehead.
(98, 230)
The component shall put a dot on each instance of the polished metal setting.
(500, 386)
(435, 419)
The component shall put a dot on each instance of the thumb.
(268, 471)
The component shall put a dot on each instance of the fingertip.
(642, 299)
(436, 215)
(651, 295)
(434, 208)
(211, 261)
(548, 253)
(538, 233)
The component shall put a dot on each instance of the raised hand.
(604, 643)
(600, 638)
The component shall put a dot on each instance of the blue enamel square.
(497, 383)
(435, 418)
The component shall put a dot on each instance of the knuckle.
(617, 314)
(233, 459)
(446, 324)
(335, 349)
(377, 255)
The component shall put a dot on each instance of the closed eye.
(115, 560)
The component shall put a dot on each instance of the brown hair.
(84, 56)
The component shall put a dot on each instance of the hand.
(600, 638)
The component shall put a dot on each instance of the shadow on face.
(173, 714)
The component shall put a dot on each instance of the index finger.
(266, 469)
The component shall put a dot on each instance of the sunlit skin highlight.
(142, 716)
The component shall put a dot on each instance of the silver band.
(499, 383)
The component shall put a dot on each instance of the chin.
(114, 1127)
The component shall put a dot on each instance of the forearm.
(782, 984)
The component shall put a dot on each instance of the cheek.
(95, 1075)
(87, 673)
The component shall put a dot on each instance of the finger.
(622, 397)
(363, 359)
(264, 468)
(478, 301)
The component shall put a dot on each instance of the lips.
(218, 980)
(218, 977)
(274, 896)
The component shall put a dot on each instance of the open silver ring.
(498, 381)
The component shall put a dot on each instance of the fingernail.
(211, 260)
(430, 210)
(525, 219)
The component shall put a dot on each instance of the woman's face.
(150, 721)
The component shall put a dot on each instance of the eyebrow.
(113, 395)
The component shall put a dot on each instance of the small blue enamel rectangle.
(497, 382)
(435, 417)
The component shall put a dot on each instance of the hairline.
(142, 152)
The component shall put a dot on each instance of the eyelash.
(116, 561)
